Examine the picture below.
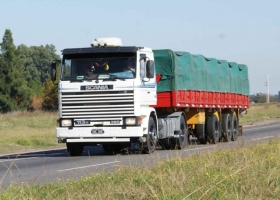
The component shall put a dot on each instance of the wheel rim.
(151, 139)
(226, 127)
(152, 136)
(228, 131)
(216, 132)
(183, 133)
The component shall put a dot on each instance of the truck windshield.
(99, 66)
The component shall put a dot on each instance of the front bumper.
(92, 134)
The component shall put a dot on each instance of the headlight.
(133, 121)
(66, 122)
(130, 121)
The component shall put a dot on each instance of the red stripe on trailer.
(201, 99)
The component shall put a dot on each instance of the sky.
(242, 31)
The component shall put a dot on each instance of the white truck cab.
(105, 97)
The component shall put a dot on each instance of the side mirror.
(150, 69)
(53, 71)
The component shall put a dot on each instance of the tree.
(261, 98)
(50, 96)
(14, 92)
(37, 61)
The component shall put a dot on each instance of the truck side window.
(142, 65)
(67, 68)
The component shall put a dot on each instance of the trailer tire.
(149, 145)
(182, 140)
(226, 127)
(234, 127)
(75, 149)
(200, 133)
(212, 129)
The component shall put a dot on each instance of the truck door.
(148, 81)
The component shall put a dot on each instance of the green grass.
(261, 112)
(240, 173)
(22, 131)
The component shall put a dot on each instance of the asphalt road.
(55, 165)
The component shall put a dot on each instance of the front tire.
(149, 145)
(75, 149)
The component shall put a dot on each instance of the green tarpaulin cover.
(184, 71)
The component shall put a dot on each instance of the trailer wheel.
(226, 127)
(234, 127)
(212, 129)
(75, 149)
(181, 140)
(149, 145)
(200, 133)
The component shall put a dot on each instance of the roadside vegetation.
(240, 173)
(261, 112)
(25, 131)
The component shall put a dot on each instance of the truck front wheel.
(149, 145)
(75, 149)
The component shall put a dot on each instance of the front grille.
(97, 105)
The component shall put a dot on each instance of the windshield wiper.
(113, 78)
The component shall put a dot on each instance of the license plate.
(82, 122)
(97, 131)
(115, 122)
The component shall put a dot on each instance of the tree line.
(262, 98)
(24, 76)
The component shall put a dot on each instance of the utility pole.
(267, 88)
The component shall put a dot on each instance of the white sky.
(242, 31)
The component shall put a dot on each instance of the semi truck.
(115, 96)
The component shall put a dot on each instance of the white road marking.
(200, 148)
(62, 170)
(11, 160)
(262, 138)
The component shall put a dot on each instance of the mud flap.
(240, 131)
